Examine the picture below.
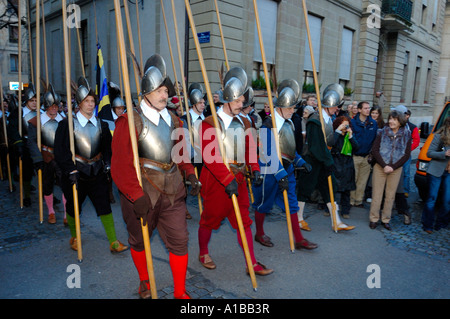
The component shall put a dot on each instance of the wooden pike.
(221, 147)
(277, 142)
(186, 104)
(38, 104)
(126, 80)
(70, 122)
(249, 184)
(319, 103)
(5, 134)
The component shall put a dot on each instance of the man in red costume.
(219, 182)
(160, 200)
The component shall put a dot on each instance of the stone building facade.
(394, 46)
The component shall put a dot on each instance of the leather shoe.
(387, 226)
(304, 225)
(144, 290)
(73, 243)
(264, 240)
(407, 220)
(51, 219)
(343, 226)
(262, 272)
(305, 244)
(207, 261)
(117, 247)
(373, 225)
(184, 296)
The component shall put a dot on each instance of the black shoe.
(27, 202)
(373, 225)
(387, 226)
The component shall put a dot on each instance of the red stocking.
(178, 264)
(141, 264)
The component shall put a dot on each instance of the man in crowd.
(365, 131)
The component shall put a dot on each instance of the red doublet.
(216, 176)
(122, 166)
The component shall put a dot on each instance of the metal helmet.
(29, 93)
(235, 85)
(288, 94)
(114, 95)
(333, 95)
(249, 95)
(155, 76)
(51, 97)
(117, 102)
(195, 93)
(84, 90)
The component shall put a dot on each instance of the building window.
(258, 82)
(85, 43)
(308, 78)
(13, 34)
(416, 88)
(428, 84)
(14, 63)
(424, 13)
(346, 56)
(435, 14)
(405, 78)
(315, 27)
(268, 12)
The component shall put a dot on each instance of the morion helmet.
(195, 93)
(235, 85)
(51, 97)
(155, 76)
(84, 90)
(29, 93)
(333, 96)
(249, 95)
(288, 94)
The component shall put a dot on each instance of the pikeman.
(196, 99)
(44, 159)
(279, 175)
(111, 112)
(92, 140)
(20, 142)
(160, 200)
(319, 155)
(220, 183)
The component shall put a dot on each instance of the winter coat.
(343, 168)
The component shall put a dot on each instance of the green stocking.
(108, 224)
(71, 223)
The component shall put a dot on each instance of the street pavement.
(405, 263)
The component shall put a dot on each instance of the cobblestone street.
(407, 255)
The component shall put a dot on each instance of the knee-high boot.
(340, 224)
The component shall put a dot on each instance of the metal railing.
(400, 8)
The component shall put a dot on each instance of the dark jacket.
(365, 134)
(63, 154)
(317, 148)
(343, 168)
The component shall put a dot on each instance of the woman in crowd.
(344, 169)
(391, 149)
(438, 174)
(377, 115)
